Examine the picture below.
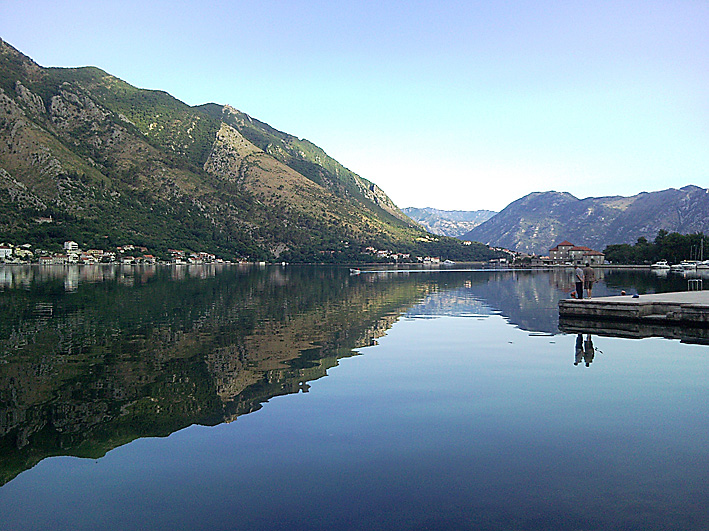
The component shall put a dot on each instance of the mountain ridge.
(454, 223)
(110, 164)
(536, 222)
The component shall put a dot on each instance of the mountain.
(540, 220)
(85, 156)
(448, 222)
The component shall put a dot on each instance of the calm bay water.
(306, 398)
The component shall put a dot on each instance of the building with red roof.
(568, 252)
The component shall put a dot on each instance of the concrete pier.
(687, 308)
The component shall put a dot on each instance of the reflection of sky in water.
(460, 302)
(447, 423)
(458, 423)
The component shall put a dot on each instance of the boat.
(662, 264)
(703, 265)
(677, 268)
(354, 271)
(689, 264)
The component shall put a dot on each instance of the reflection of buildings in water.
(73, 275)
(126, 278)
(561, 278)
(178, 272)
(15, 276)
(71, 279)
(5, 277)
(278, 276)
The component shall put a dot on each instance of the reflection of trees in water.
(83, 372)
(147, 351)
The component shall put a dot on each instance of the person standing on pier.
(589, 277)
(578, 276)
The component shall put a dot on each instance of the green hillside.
(86, 156)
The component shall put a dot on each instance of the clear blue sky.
(456, 105)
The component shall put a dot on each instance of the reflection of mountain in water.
(92, 358)
(456, 302)
(527, 299)
(530, 299)
(86, 370)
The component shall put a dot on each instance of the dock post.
(695, 284)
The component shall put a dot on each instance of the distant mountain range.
(85, 156)
(448, 222)
(538, 221)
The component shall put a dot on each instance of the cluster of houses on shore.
(73, 254)
(565, 253)
(388, 256)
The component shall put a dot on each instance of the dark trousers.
(579, 290)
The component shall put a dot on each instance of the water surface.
(196, 398)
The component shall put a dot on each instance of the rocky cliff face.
(538, 221)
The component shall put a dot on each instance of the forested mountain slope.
(88, 157)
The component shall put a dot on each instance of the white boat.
(703, 265)
(677, 268)
(689, 264)
(662, 264)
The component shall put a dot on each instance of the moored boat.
(661, 264)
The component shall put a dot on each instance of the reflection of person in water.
(579, 349)
(588, 350)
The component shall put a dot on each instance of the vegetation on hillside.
(85, 156)
(670, 246)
